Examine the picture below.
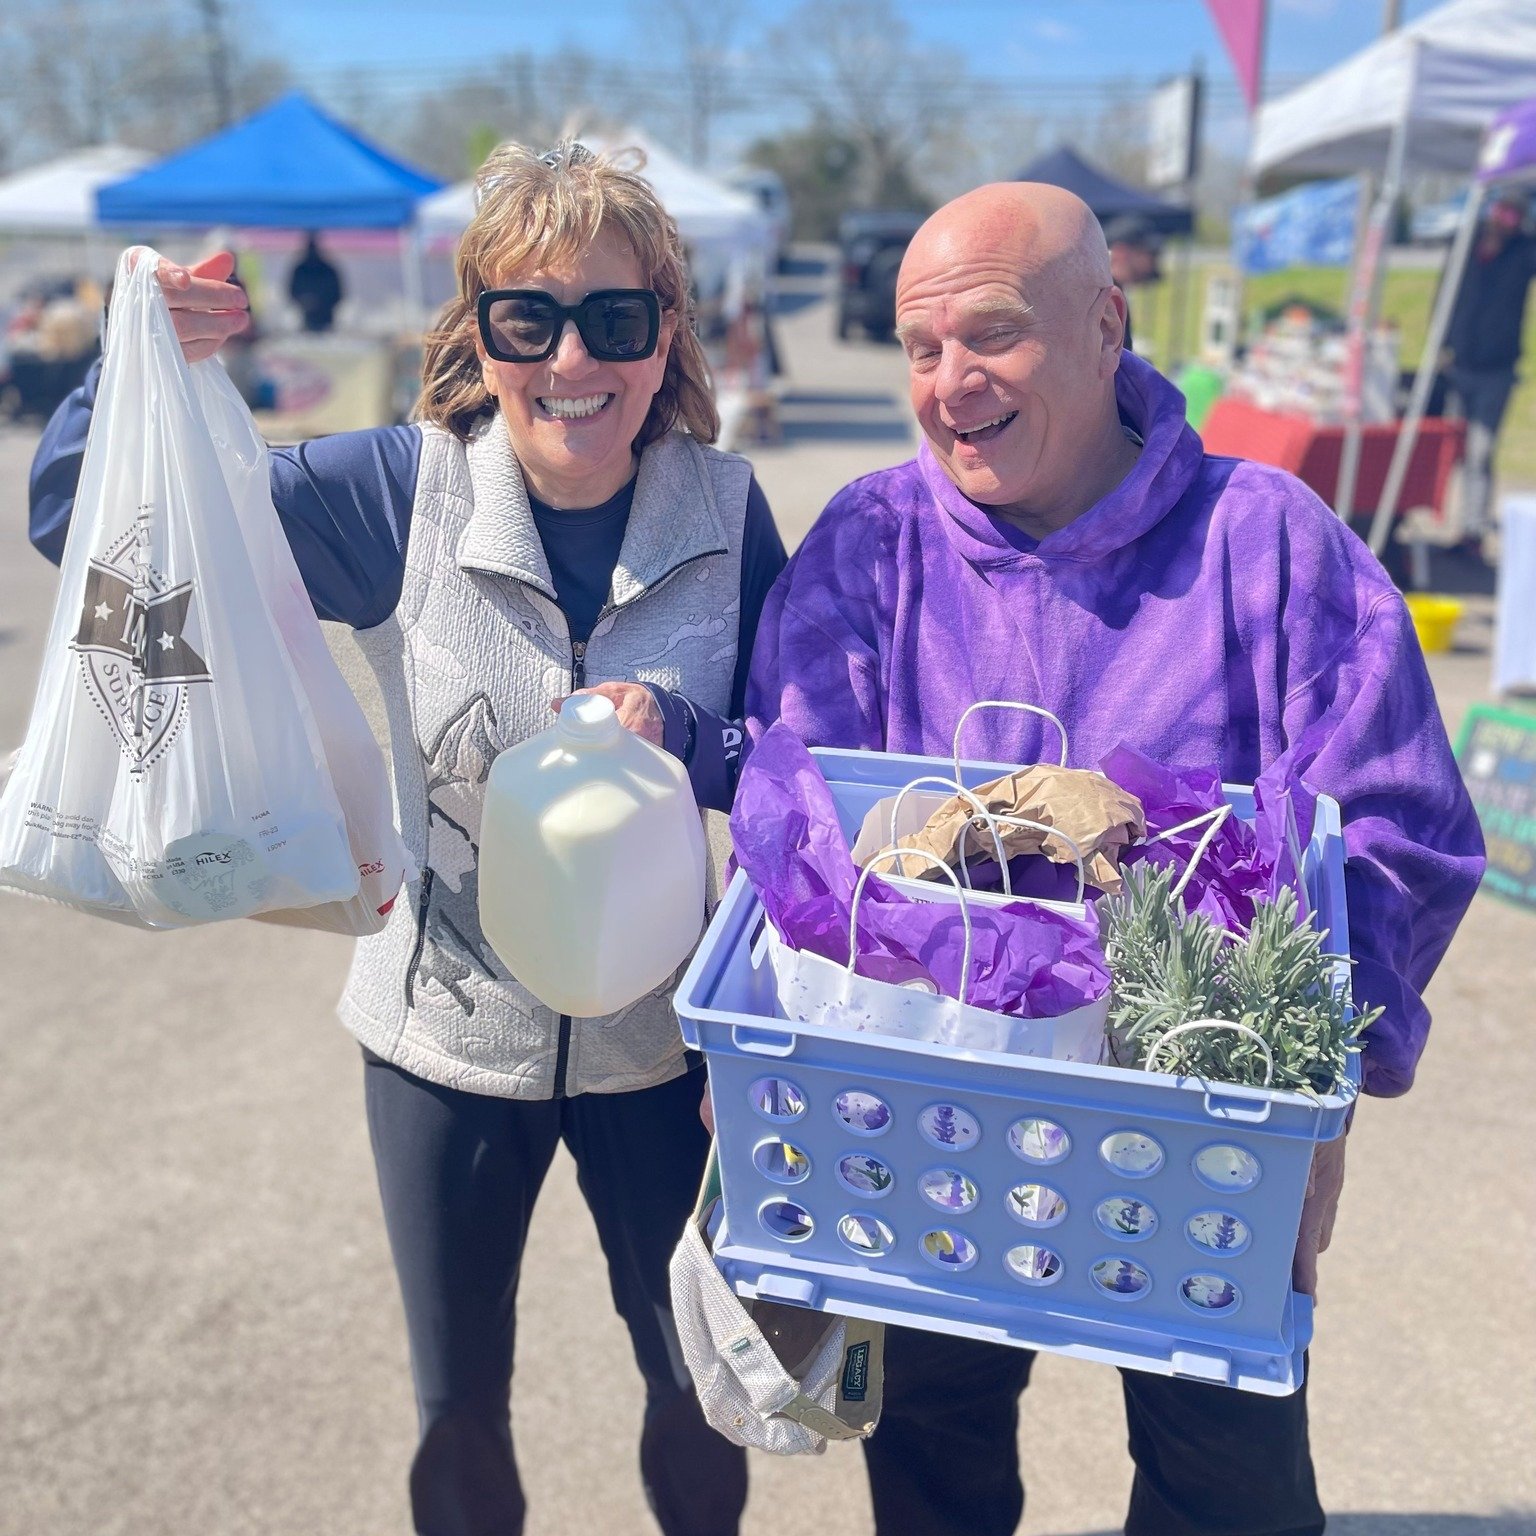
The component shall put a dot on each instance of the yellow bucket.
(1434, 619)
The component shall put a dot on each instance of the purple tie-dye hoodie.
(1208, 611)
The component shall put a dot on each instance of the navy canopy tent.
(287, 167)
(1109, 199)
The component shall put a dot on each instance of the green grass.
(1406, 299)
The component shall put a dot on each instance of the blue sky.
(1038, 39)
(1069, 58)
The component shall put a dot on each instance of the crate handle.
(762, 1042)
(956, 787)
(949, 874)
(1227, 1107)
(1028, 709)
(1194, 1024)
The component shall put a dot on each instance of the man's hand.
(635, 705)
(1324, 1183)
(707, 1111)
(206, 308)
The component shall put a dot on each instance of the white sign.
(1173, 121)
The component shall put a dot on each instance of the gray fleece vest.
(467, 665)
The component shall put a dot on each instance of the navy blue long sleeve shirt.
(345, 504)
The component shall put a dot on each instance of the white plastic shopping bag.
(352, 755)
(173, 767)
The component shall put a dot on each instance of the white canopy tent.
(708, 213)
(59, 198)
(1418, 99)
(1445, 76)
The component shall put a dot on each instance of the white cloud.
(1050, 30)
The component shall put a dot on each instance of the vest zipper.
(579, 680)
(563, 1043)
(562, 1056)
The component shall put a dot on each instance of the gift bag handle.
(1217, 818)
(1298, 858)
(938, 863)
(1194, 1024)
(955, 786)
(1027, 709)
(1071, 842)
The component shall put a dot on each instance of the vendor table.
(311, 385)
(1311, 452)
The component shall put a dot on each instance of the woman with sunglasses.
(553, 522)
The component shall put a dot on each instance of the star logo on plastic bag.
(135, 655)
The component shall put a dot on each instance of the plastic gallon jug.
(591, 862)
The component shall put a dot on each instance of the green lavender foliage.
(1171, 967)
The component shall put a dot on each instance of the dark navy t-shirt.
(582, 548)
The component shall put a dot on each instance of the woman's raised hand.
(206, 308)
(636, 708)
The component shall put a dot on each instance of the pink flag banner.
(1241, 24)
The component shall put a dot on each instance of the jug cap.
(587, 717)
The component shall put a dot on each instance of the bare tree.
(81, 73)
(857, 69)
(697, 38)
(519, 96)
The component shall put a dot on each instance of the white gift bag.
(173, 767)
(352, 755)
(814, 990)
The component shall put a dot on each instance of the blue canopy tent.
(1108, 199)
(287, 167)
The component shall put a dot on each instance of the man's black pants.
(459, 1174)
(1209, 1461)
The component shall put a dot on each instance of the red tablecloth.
(1311, 452)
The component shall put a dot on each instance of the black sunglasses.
(524, 325)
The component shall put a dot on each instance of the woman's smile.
(573, 408)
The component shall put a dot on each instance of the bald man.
(1063, 539)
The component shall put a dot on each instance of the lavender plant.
(1225, 1235)
(1128, 1218)
(1171, 967)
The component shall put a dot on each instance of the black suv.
(871, 243)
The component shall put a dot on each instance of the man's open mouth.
(987, 430)
(562, 408)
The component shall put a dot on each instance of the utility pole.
(218, 61)
(1179, 300)
(1248, 190)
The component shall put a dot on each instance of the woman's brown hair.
(534, 209)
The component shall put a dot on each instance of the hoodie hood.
(1169, 463)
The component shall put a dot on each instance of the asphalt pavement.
(199, 1329)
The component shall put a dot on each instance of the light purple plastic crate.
(1136, 1219)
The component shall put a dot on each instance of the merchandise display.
(1297, 366)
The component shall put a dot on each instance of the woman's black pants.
(459, 1173)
